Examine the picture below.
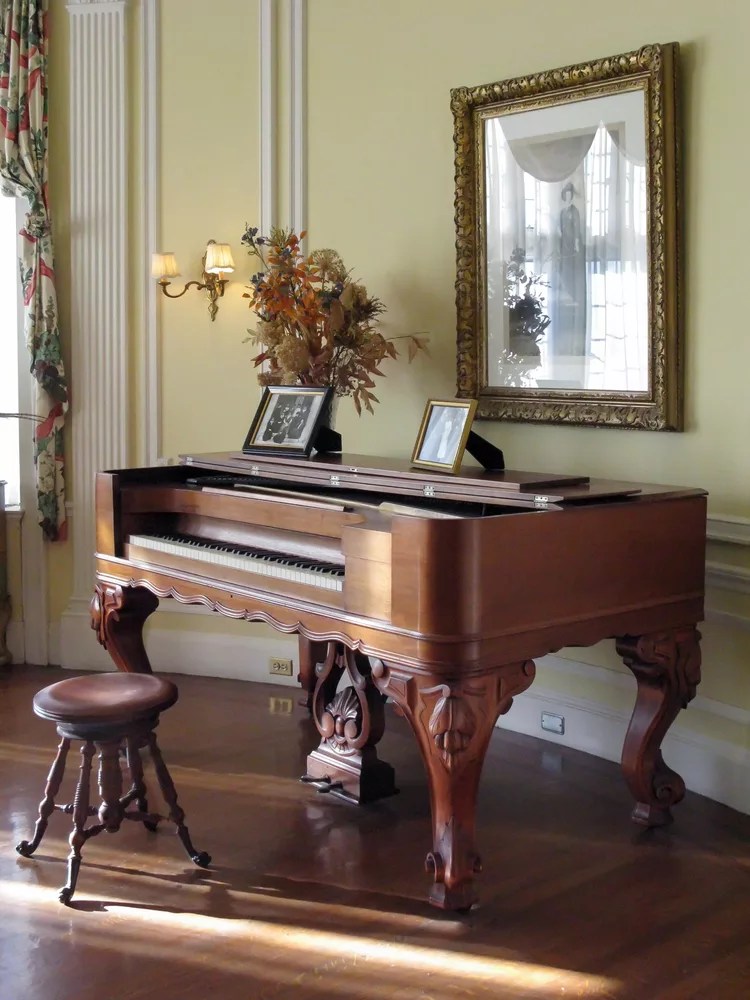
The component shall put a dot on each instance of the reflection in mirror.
(567, 283)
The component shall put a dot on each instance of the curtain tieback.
(37, 223)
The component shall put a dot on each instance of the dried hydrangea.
(315, 325)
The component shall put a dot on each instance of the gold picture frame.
(530, 345)
(443, 434)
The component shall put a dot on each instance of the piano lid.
(398, 476)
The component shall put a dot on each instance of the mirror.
(567, 242)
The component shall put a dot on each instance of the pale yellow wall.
(381, 192)
(209, 153)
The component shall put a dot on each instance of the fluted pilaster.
(100, 407)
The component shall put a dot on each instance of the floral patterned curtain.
(23, 169)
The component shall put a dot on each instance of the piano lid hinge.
(428, 491)
(335, 480)
(254, 470)
(541, 502)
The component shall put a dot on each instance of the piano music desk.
(435, 591)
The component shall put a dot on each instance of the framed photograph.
(443, 434)
(288, 419)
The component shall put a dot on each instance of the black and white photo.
(287, 419)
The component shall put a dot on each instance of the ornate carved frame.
(652, 68)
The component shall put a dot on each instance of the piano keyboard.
(278, 565)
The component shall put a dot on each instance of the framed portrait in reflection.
(443, 434)
(287, 420)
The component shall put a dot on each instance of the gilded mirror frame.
(652, 70)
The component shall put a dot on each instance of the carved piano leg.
(453, 721)
(117, 616)
(667, 667)
(310, 655)
(351, 722)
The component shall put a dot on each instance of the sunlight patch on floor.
(292, 949)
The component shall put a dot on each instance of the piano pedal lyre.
(350, 721)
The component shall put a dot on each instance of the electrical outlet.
(553, 723)
(280, 666)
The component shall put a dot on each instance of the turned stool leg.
(47, 805)
(80, 835)
(110, 785)
(176, 814)
(138, 790)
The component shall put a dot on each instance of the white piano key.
(243, 561)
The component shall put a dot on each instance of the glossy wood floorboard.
(311, 898)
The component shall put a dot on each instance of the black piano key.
(264, 555)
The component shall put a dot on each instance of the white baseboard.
(710, 767)
(178, 651)
(14, 641)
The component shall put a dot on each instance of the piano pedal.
(325, 785)
(332, 786)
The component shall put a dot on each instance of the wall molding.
(728, 577)
(99, 270)
(727, 528)
(150, 414)
(715, 768)
(298, 116)
(268, 113)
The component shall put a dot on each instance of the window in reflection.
(566, 247)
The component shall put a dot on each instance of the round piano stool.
(110, 714)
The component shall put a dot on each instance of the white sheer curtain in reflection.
(573, 207)
(616, 266)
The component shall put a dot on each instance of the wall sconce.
(217, 264)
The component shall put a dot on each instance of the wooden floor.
(312, 898)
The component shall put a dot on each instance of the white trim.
(729, 618)
(298, 116)
(728, 577)
(150, 415)
(33, 554)
(99, 270)
(727, 528)
(268, 105)
(182, 651)
(14, 640)
(715, 768)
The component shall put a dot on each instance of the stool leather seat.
(108, 698)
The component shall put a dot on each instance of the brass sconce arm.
(163, 282)
(216, 264)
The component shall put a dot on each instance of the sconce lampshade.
(219, 259)
(164, 265)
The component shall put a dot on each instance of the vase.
(327, 438)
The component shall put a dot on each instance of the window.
(9, 283)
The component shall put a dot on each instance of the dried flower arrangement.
(316, 325)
